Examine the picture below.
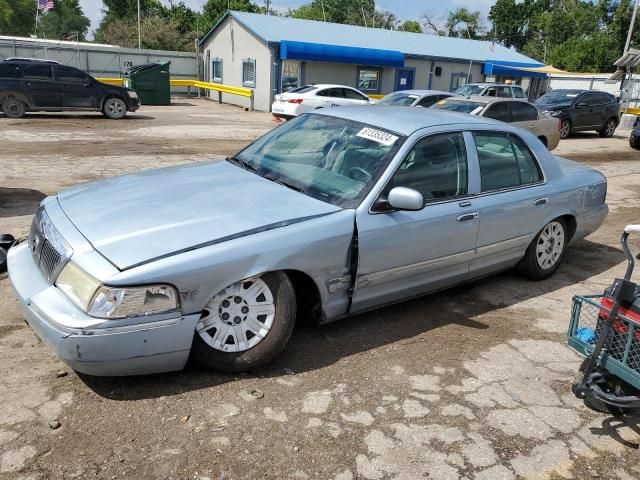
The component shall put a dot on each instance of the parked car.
(334, 213)
(414, 98)
(29, 85)
(503, 90)
(519, 113)
(580, 110)
(634, 138)
(311, 97)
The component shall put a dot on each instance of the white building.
(271, 54)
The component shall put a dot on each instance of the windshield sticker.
(442, 102)
(378, 136)
(571, 95)
(476, 110)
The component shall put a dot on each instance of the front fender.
(318, 247)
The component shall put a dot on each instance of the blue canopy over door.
(319, 52)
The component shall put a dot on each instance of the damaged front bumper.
(94, 346)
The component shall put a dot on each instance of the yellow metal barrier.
(111, 81)
(632, 111)
(375, 96)
(218, 87)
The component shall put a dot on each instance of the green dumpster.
(151, 82)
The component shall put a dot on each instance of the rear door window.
(505, 161)
(523, 112)
(38, 72)
(504, 92)
(499, 111)
(429, 100)
(518, 92)
(330, 92)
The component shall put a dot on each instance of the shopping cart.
(606, 330)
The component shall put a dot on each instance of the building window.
(216, 70)
(369, 79)
(458, 80)
(249, 72)
(290, 75)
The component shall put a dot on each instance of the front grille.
(45, 254)
(49, 260)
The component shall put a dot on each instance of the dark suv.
(41, 85)
(582, 110)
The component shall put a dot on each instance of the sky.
(403, 9)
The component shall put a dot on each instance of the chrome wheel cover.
(611, 128)
(550, 245)
(239, 317)
(115, 107)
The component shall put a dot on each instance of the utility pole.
(139, 32)
(633, 23)
(268, 2)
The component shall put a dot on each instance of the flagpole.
(35, 33)
(139, 33)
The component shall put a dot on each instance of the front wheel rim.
(239, 317)
(550, 245)
(115, 108)
(564, 129)
(611, 127)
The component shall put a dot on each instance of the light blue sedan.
(334, 213)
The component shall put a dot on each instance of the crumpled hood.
(136, 218)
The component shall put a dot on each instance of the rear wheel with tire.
(634, 142)
(13, 108)
(114, 108)
(608, 129)
(247, 324)
(545, 252)
(565, 128)
(595, 403)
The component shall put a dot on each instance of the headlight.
(132, 94)
(553, 113)
(112, 302)
(78, 285)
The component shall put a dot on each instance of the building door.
(404, 79)
(290, 75)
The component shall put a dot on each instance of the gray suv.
(503, 90)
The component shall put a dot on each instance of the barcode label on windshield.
(379, 136)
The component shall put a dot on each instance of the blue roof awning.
(320, 52)
(499, 67)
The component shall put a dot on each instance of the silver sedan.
(334, 213)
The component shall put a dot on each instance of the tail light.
(296, 100)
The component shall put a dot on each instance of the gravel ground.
(473, 382)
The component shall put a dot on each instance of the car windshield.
(402, 99)
(332, 159)
(467, 90)
(462, 106)
(559, 96)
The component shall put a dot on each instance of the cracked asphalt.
(470, 383)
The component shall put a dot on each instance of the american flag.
(45, 5)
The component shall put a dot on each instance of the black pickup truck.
(580, 110)
(28, 85)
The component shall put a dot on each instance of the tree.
(17, 17)
(410, 26)
(213, 10)
(384, 19)
(157, 34)
(464, 23)
(351, 12)
(64, 21)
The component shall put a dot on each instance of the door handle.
(467, 216)
(464, 204)
(540, 201)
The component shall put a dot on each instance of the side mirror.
(403, 198)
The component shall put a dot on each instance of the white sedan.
(311, 97)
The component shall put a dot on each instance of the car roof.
(30, 60)
(489, 84)
(403, 120)
(420, 92)
(487, 100)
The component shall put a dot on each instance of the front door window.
(290, 75)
